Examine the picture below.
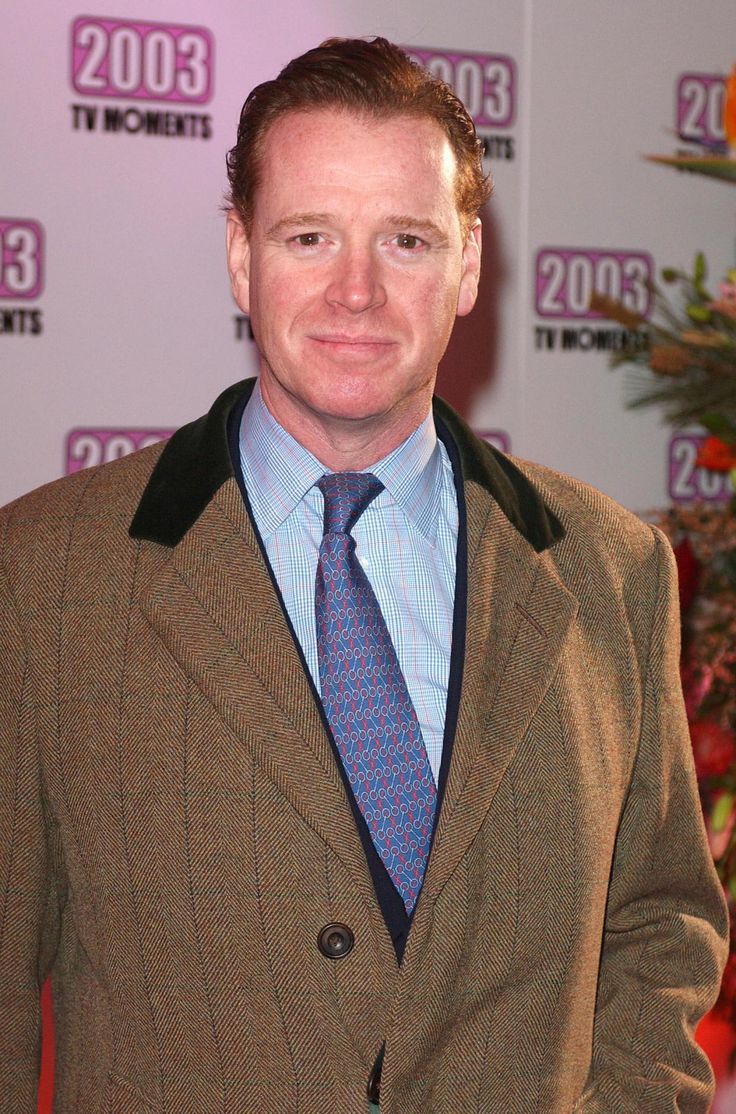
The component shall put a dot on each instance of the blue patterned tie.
(365, 696)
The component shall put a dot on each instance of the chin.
(354, 411)
(350, 396)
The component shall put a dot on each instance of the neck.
(349, 445)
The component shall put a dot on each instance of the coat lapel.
(517, 623)
(214, 606)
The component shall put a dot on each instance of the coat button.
(336, 941)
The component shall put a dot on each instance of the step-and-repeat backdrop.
(116, 321)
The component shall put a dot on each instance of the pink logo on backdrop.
(485, 83)
(86, 448)
(688, 483)
(142, 60)
(499, 438)
(21, 258)
(565, 278)
(699, 108)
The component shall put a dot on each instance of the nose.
(355, 283)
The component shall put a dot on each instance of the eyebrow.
(295, 219)
(400, 222)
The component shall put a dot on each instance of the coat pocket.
(124, 1098)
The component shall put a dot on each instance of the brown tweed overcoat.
(174, 833)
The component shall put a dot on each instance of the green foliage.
(688, 364)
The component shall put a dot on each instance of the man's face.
(353, 272)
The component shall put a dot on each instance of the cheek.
(271, 306)
(433, 305)
(286, 298)
(280, 315)
(413, 295)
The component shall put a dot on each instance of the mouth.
(347, 344)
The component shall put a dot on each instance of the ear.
(471, 270)
(238, 259)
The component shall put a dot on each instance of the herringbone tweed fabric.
(174, 832)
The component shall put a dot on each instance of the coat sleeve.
(28, 906)
(666, 927)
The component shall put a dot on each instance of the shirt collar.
(412, 476)
(278, 471)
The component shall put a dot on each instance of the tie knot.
(347, 494)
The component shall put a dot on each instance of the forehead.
(341, 153)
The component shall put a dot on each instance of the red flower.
(696, 684)
(716, 455)
(688, 572)
(714, 747)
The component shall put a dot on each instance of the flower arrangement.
(689, 358)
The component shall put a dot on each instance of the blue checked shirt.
(406, 542)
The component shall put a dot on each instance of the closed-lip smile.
(347, 338)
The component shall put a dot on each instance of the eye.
(408, 242)
(307, 239)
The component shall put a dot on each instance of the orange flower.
(668, 359)
(617, 311)
(716, 455)
(729, 110)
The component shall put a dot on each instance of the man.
(344, 758)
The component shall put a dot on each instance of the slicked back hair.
(370, 77)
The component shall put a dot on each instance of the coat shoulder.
(118, 482)
(620, 568)
(37, 529)
(614, 561)
(594, 521)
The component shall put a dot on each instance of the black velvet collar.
(196, 463)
